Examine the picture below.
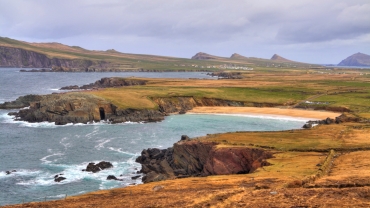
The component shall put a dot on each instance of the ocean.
(39, 151)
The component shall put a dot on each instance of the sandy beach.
(311, 114)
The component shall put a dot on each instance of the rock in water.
(59, 179)
(135, 177)
(112, 177)
(91, 167)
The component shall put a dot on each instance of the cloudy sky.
(324, 31)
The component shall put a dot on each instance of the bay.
(39, 151)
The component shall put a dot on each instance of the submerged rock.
(58, 178)
(9, 172)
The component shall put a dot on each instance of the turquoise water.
(39, 151)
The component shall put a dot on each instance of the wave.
(73, 173)
(119, 150)
(102, 143)
(5, 118)
(19, 172)
(45, 161)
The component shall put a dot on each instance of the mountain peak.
(203, 56)
(357, 59)
(236, 55)
(276, 57)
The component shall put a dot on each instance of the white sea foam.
(74, 173)
(102, 143)
(45, 159)
(19, 172)
(64, 143)
(121, 151)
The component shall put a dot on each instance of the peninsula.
(324, 163)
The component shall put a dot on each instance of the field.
(324, 166)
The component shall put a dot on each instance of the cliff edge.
(194, 158)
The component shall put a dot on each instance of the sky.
(311, 31)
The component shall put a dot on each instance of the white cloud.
(184, 27)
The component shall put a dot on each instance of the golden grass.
(323, 137)
(349, 168)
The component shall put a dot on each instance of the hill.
(276, 57)
(358, 59)
(64, 58)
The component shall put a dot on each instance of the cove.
(39, 151)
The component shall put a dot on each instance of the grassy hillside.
(125, 61)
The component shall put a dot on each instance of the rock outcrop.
(194, 158)
(58, 178)
(92, 167)
(82, 108)
(107, 82)
(340, 119)
(358, 59)
(21, 102)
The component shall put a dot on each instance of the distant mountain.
(276, 57)
(205, 56)
(357, 59)
(237, 56)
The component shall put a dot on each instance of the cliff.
(84, 108)
(81, 108)
(358, 59)
(17, 57)
(194, 158)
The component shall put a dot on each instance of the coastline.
(266, 111)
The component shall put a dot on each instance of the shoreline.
(266, 111)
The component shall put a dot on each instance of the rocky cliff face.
(358, 59)
(81, 108)
(194, 158)
(16, 57)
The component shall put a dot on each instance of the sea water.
(39, 151)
